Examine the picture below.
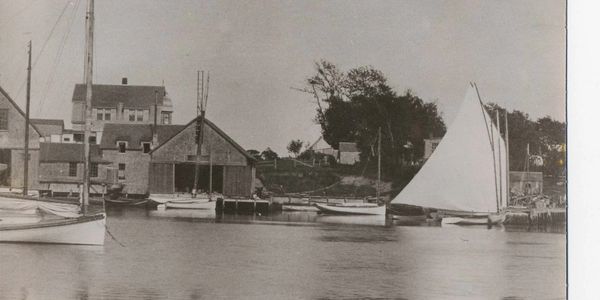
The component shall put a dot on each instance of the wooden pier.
(246, 206)
(536, 216)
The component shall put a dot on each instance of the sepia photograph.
(276, 149)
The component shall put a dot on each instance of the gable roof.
(67, 152)
(132, 96)
(12, 102)
(217, 130)
(348, 147)
(135, 134)
(54, 122)
(49, 127)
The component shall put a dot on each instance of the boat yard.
(352, 157)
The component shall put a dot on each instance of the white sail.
(463, 173)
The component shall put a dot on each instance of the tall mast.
(378, 162)
(26, 148)
(89, 63)
(507, 158)
(499, 160)
(199, 128)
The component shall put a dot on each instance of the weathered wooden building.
(61, 168)
(122, 104)
(172, 163)
(12, 140)
(127, 148)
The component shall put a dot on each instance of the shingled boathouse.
(172, 163)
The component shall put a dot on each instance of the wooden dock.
(536, 216)
(246, 206)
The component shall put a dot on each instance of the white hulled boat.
(463, 178)
(29, 219)
(359, 208)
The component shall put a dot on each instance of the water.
(187, 255)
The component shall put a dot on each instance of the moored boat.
(353, 209)
(63, 223)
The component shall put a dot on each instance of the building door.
(5, 167)
(185, 173)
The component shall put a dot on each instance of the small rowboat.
(352, 209)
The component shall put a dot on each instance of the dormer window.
(122, 146)
(146, 147)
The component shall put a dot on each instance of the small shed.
(349, 153)
(224, 166)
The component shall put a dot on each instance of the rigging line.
(490, 132)
(45, 44)
(59, 53)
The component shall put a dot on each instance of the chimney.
(124, 81)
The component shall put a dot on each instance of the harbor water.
(182, 254)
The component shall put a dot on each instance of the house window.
(94, 170)
(166, 118)
(122, 146)
(66, 139)
(121, 172)
(103, 114)
(92, 139)
(78, 137)
(146, 147)
(131, 115)
(140, 115)
(3, 119)
(72, 169)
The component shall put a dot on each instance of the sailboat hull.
(491, 219)
(85, 230)
(351, 210)
(193, 205)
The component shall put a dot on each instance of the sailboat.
(463, 178)
(359, 208)
(42, 220)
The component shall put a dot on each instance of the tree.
(294, 147)
(353, 105)
(545, 138)
(255, 154)
(269, 154)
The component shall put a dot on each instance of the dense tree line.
(353, 105)
(546, 138)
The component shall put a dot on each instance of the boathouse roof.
(216, 129)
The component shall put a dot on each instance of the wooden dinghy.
(352, 209)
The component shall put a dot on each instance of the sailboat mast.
(199, 131)
(507, 158)
(490, 130)
(89, 62)
(501, 197)
(378, 162)
(26, 147)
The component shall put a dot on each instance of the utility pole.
(378, 162)
(26, 148)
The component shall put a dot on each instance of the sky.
(256, 51)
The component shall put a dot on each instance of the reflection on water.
(188, 254)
